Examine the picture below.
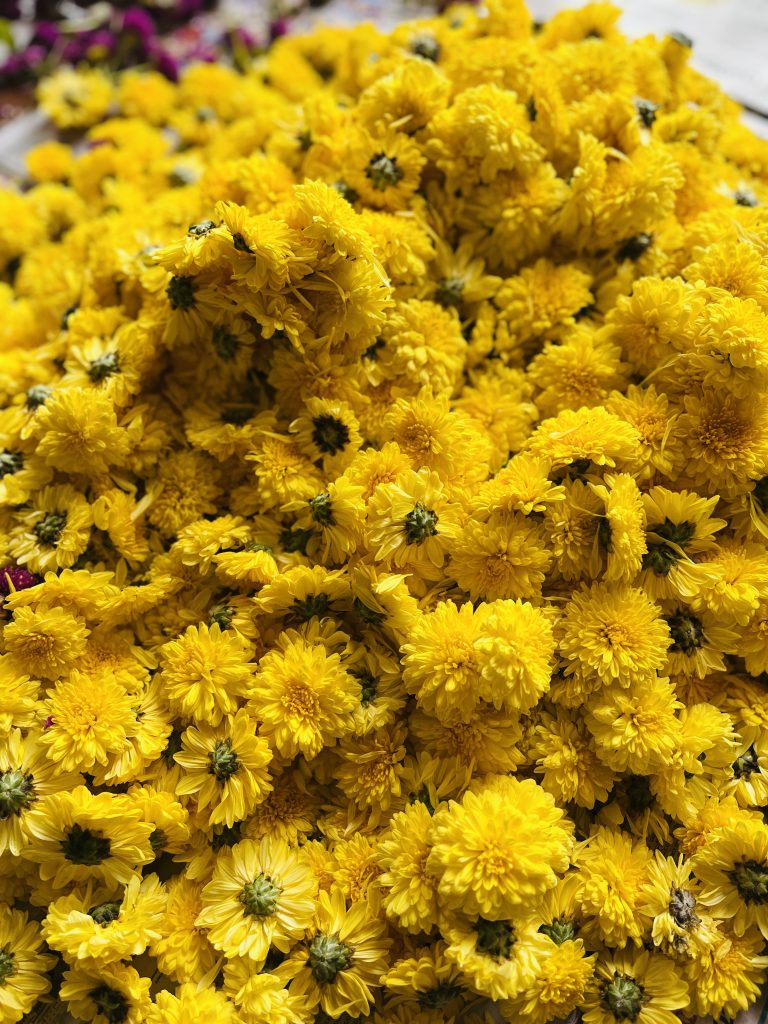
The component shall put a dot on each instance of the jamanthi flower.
(341, 960)
(75, 99)
(259, 996)
(191, 1005)
(103, 993)
(225, 768)
(260, 895)
(46, 643)
(517, 650)
(561, 983)
(24, 966)
(733, 873)
(637, 986)
(410, 891)
(725, 976)
(500, 958)
(183, 950)
(53, 531)
(612, 872)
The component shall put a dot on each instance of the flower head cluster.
(384, 528)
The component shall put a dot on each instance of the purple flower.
(46, 33)
(100, 42)
(164, 62)
(139, 22)
(14, 577)
(20, 66)
(278, 27)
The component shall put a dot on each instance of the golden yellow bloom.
(643, 986)
(79, 432)
(45, 643)
(24, 965)
(183, 950)
(410, 890)
(191, 1005)
(100, 992)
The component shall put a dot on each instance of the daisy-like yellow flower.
(260, 895)
(88, 722)
(23, 964)
(499, 847)
(733, 872)
(612, 633)
(410, 890)
(106, 925)
(725, 976)
(621, 530)
(341, 960)
(182, 950)
(612, 872)
(206, 672)
(79, 836)
(570, 767)
(104, 993)
(636, 986)
(503, 558)
(47, 643)
(303, 697)
(78, 432)
(75, 99)
(680, 925)
(635, 727)
(517, 655)
(225, 768)
(191, 1005)
(561, 983)
(499, 957)
(259, 996)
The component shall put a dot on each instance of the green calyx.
(181, 292)
(315, 605)
(677, 533)
(495, 939)
(346, 191)
(328, 955)
(622, 996)
(104, 366)
(660, 559)
(422, 797)
(221, 615)
(157, 840)
(420, 524)
(223, 761)
(687, 633)
(751, 879)
(436, 998)
(746, 764)
(224, 343)
(559, 931)
(604, 533)
(111, 1004)
(383, 172)
(6, 965)
(260, 897)
(369, 684)
(330, 434)
(38, 395)
(321, 509)
(450, 291)
(646, 111)
(104, 913)
(634, 247)
(426, 46)
(368, 614)
(292, 541)
(10, 463)
(682, 905)
(200, 230)
(83, 846)
(16, 792)
(49, 529)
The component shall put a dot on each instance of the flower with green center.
(687, 633)
(225, 344)
(224, 762)
(622, 996)
(49, 529)
(103, 913)
(450, 291)
(677, 533)
(6, 965)
(82, 846)
(222, 614)
(104, 366)
(328, 955)
(315, 605)
(559, 931)
(420, 524)
(646, 111)
(751, 879)
(383, 172)
(660, 559)
(113, 1005)
(16, 793)
(682, 904)
(181, 292)
(426, 46)
(38, 395)
(259, 897)
(330, 434)
(10, 463)
(746, 764)
(495, 939)
(322, 510)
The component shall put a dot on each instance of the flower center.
(751, 879)
(746, 764)
(426, 46)
(494, 938)
(224, 343)
(10, 463)
(383, 172)
(38, 395)
(559, 931)
(327, 957)
(660, 559)
(450, 291)
(646, 111)
(6, 965)
(313, 605)
(687, 633)
(104, 366)
(301, 701)
(321, 510)
(104, 913)
(181, 292)
(295, 540)
(678, 533)
(49, 529)
(16, 792)
(259, 897)
(369, 684)
(221, 615)
(82, 846)
(420, 524)
(330, 434)
(681, 908)
(113, 1005)
(224, 762)
(623, 997)
(202, 229)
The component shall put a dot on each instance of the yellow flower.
(88, 722)
(410, 890)
(560, 984)
(225, 768)
(106, 925)
(517, 650)
(499, 957)
(259, 997)
(191, 1005)
(260, 895)
(75, 98)
(725, 977)
(79, 433)
(499, 847)
(634, 727)
(46, 643)
(566, 758)
(645, 987)
(371, 769)
(679, 925)
(23, 965)
(733, 870)
(182, 950)
(104, 993)
(54, 531)
(303, 698)
(206, 672)
(505, 557)
(340, 961)
(612, 872)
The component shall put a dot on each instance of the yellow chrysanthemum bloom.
(410, 890)
(643, 986)
(23, 964)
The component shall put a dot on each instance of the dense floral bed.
(384, 482)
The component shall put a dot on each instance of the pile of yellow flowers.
(383, 529)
